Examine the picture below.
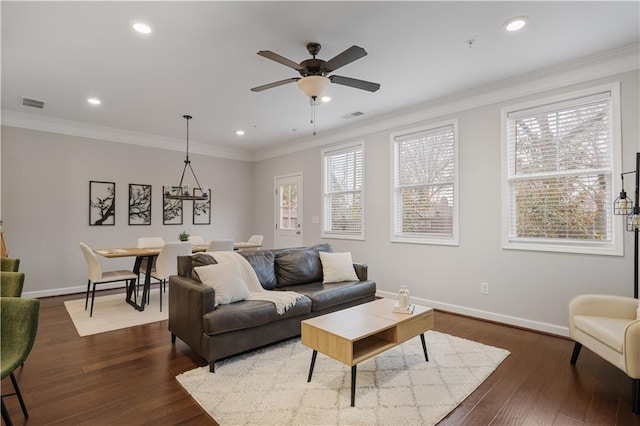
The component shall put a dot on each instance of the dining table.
(149, 254)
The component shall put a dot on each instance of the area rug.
(269, 386)
(112, 312)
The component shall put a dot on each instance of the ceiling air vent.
(34, 103)
(352, 114)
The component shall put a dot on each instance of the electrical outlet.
(484, 288)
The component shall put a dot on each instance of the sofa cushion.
(337, 267)
(262, 261)
(248, 314)
(325, 296)
(226, 280)
(299, 266)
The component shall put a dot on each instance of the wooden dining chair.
(97, 276)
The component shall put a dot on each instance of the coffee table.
(361, 332)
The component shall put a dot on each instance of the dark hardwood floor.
(126, 377)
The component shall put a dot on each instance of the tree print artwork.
(171, 211)
(139, 204)
(202, 212)
(102, 203)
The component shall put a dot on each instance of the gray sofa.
(219, 332)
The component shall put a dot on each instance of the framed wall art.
(102, 203)
(202, 212)
(171, 211)
(139, 204)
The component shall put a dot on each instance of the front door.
(288, 202)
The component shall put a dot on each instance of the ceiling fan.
(314, 80)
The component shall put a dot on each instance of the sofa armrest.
(361, 271)
(189, 300)
(631, 349)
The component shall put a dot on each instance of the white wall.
(45, 180)
(45, 201)
(527, 288)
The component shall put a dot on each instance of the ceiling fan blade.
(274, 84)
(280, 59)
(352, 82)
(351, 54)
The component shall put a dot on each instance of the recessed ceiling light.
(141, 27)
(325, 99)
(94, 101)
(239, 132)
(515, 24)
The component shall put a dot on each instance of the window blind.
(559, 171)
(343, 191)
(424, 184)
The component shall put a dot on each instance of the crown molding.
(611, 62)
(75, 128)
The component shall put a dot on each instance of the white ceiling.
(201, 59)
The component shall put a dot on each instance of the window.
(425, 185)
(343, 170)
(559, 167)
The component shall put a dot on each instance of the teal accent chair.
(9, 264)
(11, 284)
(19, 326)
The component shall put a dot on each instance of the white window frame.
(325, 153)
(613, 248)
(452, 240)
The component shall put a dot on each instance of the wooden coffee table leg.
(424, 347)
(353, 385)
(313, 362)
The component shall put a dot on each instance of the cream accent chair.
(167, 263)
(220, 245)
(97, 276)
(197, 240)
(609, 326)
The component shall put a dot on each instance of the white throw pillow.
(226, 280)
(337, 267)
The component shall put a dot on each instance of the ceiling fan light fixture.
(314, 85)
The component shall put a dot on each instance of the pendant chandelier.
(183, 191)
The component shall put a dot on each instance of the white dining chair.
(220, 245)
(197, 240)
(150, 242)
(256, 239)
(167, 263)
(147, 242)
(97, 276)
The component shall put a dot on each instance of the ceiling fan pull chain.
(313, 115)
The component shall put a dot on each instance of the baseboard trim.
(74, 290)
(544, 327)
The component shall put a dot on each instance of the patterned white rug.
(269, 386)
(112, 312)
